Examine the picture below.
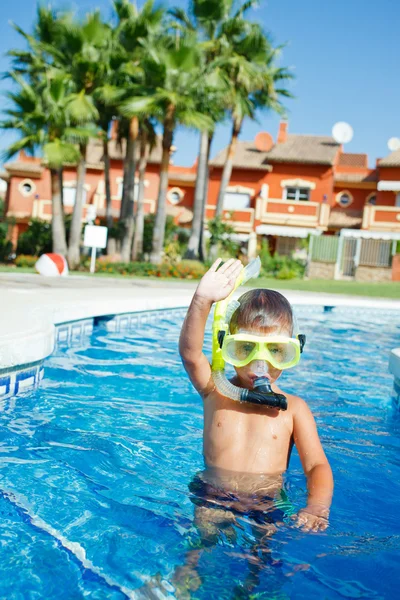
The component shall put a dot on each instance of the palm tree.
(147, 143)
(218, 26)
(43, 119)
(255, 83)
(137, 31)
(64, 47)
(175, 69)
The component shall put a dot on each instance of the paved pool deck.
(31, 306)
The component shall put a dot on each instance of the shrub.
(25, 260)
(171, 232)
(5, 245)
(36, 239)
(186, 269)
(281, 267)
(221, 232)
(287, 273)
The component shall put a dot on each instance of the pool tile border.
(73, 332)
(15, 381)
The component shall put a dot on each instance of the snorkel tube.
(262, 393)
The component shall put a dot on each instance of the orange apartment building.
(285, 190)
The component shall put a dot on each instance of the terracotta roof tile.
(246, 157)
(356, 177)
(392, 160)
(117, 151)
(347, 159)
(309, 149)
(313, 149)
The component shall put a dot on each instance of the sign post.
(95, 237)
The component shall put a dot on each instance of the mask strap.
(302, 339)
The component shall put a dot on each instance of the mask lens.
(239, 351)
(282, 353)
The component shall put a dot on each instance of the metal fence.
(371, 253)
(376, 253)
(325, 248)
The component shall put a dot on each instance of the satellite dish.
(263, 141)
(342, 132)
(394, 144)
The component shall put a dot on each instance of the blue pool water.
(95, 468)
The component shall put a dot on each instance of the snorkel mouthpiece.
(263, 394)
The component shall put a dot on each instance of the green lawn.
(354, 288)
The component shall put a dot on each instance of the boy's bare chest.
(246, 434)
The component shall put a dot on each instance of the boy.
(247, 447)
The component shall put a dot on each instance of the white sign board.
(95, 236)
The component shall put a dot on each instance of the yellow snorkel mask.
(242, 348)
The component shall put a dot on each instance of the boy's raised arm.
(213, 287)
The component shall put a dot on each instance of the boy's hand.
(217, 285)
(312, 518)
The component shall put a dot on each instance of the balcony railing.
(242, 220)
(381, 218)
(292, 212)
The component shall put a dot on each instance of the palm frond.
(81, 109)
(58, 153)
(139, 106)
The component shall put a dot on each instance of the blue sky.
(344, 55)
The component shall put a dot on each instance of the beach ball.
(52, 265)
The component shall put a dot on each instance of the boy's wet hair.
(262, 310)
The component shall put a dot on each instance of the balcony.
(241, 220)
(298, 213)
(381, 218)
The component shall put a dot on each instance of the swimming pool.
(95, 468)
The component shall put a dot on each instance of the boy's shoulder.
(296, 405)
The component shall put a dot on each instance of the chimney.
(282, 132)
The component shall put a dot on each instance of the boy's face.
(246, 374)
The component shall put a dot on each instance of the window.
(69, 196)
(174, 197)
(398, 199)
(236, 201)
(121, 189)
(27, 187)
(372, 200)
(297, 193)
(344, 199)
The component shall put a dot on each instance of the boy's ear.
(302, 339)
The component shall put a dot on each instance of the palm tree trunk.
(227, 171)
(129, 173)
(76, 222)
(57, 220)
(106, 160)
(127, 161)
(202, 239)
(194, 240)
(128, 219)
(161, 215)
(139, 225)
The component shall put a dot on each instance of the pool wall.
(33, 322)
